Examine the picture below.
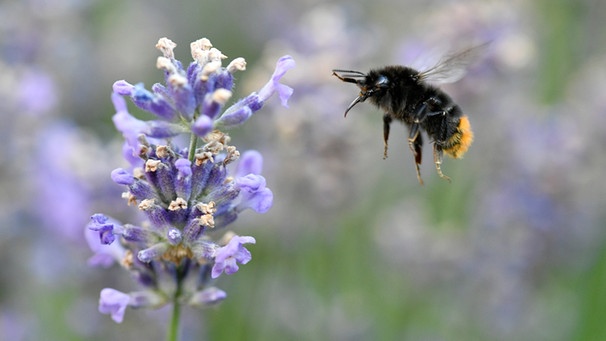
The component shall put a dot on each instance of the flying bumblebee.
(411, 97)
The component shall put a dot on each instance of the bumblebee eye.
(381, 82)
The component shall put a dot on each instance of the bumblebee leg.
(415, 143)
(386, 125)
(424, 111)
(437, 159)
(419, 114)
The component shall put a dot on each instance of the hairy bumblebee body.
(406, 95)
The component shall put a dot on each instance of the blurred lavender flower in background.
(528, 200)
(313, 144)
(185, 193)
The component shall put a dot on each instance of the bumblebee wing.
(452, 67)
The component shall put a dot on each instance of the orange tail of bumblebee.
(460, 141)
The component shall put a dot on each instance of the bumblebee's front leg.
(386, 125)
(415, 143)
(437, 159)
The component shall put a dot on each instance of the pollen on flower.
(163, 151)
(232, 155)
(238, 64)
(147, 204)
(217, 136)
(221, 96)
(203, 52)
(209, 69)
(207, 220)
(143, 150)
(166, 46)
(165, 64)
(203, 44)
(215, 55)
(130, 198)
(152, 165)
(177, 253)
(127, 261)
(138, 173)
(209, 208)
(203, 157)
(177, 204)
(216, 142)
(177, 80)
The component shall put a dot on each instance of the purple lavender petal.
(136, 234)
(208, 296)
(156, 214)
(163, 179)
(183, 167)
(123, 88)
(122, 177)
(251, 182)
(254, 194)
(142, 190)
(153, 252)
(113, 302)
(260, 201)
(250, 162)
(224, 80)
(284, 92)
(104, 255)
(100, 223)
(154, 103)
(185, 101)
(183, 185)
(162, 129)
(202, 126)
(235, 118)
(129, 126)
(131, 155)
(174, 236)
(227, 257)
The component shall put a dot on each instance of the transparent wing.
(452, 67)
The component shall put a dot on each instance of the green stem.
(193, 141)
(173, 328)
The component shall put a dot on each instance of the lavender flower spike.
(183, 191)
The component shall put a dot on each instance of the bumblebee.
(410, 96)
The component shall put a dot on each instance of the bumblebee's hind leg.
(415, 143)
(437, 159)
(386, 126)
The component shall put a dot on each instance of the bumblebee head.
(370, 84)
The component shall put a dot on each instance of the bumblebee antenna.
(349, 76)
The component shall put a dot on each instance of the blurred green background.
(354, 248)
